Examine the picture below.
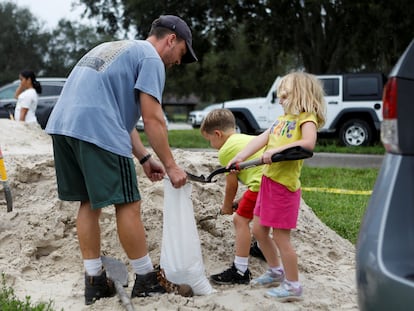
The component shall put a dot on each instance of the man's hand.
(177, 175)
(153, 169)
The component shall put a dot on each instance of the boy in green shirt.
(219, 128)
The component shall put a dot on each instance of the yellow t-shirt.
(286, 130)
(250, 177)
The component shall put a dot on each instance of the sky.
(50, 11)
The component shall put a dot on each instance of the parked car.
(197, 116)
(140, 123)
(385, 247)
(51, 89)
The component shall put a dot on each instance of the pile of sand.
(40, 258)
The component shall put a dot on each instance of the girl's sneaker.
(268, 278)
(285, 292)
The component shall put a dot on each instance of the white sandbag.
(181, 256)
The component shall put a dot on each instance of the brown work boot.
(154, 283)
(178, 289)
(97, 287)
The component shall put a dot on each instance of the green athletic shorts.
(85, 172)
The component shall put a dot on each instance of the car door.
(7, 100)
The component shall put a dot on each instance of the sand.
(40, 257)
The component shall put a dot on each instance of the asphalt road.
(345, 160)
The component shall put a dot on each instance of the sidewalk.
(345, 160)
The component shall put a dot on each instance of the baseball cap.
(180, 27)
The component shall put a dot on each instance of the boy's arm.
(232, 184)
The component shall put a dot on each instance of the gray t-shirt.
(99, 102)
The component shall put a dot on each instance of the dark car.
(385, 247)
(51, 89)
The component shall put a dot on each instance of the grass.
(9, 301)
(183, 139)
(342, 212)
(332, 145)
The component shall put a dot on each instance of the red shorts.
(247, 204)
(276, 206)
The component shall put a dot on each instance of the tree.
(69, 41)
(22, 42)
(320, 36)
(339, 36)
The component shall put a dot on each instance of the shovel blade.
(116, 270)
(200, 178)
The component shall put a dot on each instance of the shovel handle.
(245, 164)
(123, 296)
(289, 154)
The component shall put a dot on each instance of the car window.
(51, 90)
(331, 86)
(363, 86)
(8, 92)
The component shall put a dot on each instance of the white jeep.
(354, 108)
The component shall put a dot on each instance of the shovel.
(6, 186)
(118, 273)
(289, 154)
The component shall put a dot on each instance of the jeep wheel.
(355, 132)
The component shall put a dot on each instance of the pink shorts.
(276, 206)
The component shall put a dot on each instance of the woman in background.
(27, 97)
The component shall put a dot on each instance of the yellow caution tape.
(337, 191)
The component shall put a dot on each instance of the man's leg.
(131, 229)
(96, 283)
(88, 230)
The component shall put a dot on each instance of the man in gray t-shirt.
(94, 141)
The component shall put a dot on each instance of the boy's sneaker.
(285, 292)
(97, 287)
(231, 276)
(255, 251)
(268, 278)
(154, 283)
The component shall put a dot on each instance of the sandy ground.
(40, 258)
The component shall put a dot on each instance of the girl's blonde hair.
(303, 92)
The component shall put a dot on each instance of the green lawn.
(342, 212)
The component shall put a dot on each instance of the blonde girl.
(302, 98)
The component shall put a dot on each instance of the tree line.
(242, 45)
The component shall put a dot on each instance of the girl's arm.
(253, 146)
(308, 141)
